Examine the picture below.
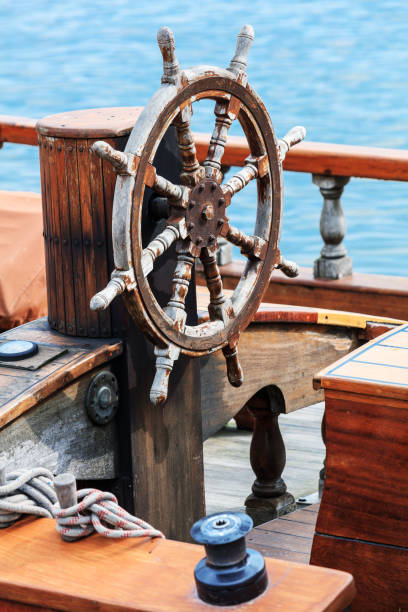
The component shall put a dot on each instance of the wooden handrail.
(323, 158)
(314, 157)
(20, 130)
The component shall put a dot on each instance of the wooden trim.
(371, 294)
(323, 158)
(20, 130)
(314, 157)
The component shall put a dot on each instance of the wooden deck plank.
(289, 537)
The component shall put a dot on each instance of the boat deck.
(228, 473)
(289, 537)
(228, 480)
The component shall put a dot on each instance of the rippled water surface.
(338, 67)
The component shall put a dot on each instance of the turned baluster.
(334, 261)
(269, 498)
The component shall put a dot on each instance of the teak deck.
(289, 537)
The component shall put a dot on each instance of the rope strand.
(26, 492)
(99, 511)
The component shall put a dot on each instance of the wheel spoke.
(175, 308)
(220, 307)
(254, 167)
(192, 172)
(162, 186)
(234, 369)
(251, 246)
(225, 113)
(158, 246)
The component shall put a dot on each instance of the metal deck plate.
(45, 354)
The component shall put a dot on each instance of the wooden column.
(269, 498)
(160, 450)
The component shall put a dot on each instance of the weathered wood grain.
(21, 390)
(59, 436)
(143, 575)
(289, 358)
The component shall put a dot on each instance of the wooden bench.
(362, 525)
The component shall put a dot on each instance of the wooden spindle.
(334, 261)
(269, 498)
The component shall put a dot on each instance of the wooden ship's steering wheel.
(198, 211)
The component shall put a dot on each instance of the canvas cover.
(22, 267)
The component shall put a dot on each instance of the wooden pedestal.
(159, 449)
(363, 517)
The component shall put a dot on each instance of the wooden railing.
(331, 166)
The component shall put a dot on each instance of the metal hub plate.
(205, 213)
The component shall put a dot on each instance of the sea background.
(338, 67)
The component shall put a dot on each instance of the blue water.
(338, 67)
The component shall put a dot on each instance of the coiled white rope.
(99, 511)
(25, 492)
(38, 493)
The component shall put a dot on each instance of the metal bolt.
(208, 212)
(213, 186)
(190, 226)
(199, 240)
(200, 188)
(211, 238)
(221, 202)
(192, 204)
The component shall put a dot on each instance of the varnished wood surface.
(21, 390)
(323, 158)
(380, 572)
(289, 537)
(366, 487)
(374, 294)
(20, 130)
(141, 575)
(364, 512)
(380, 368)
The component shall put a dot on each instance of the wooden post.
(269, 498)
(160, 470)
(334, 261)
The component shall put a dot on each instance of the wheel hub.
(205, 213)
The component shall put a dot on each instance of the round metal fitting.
(230, 573)
(102, 398)
(14, 350)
